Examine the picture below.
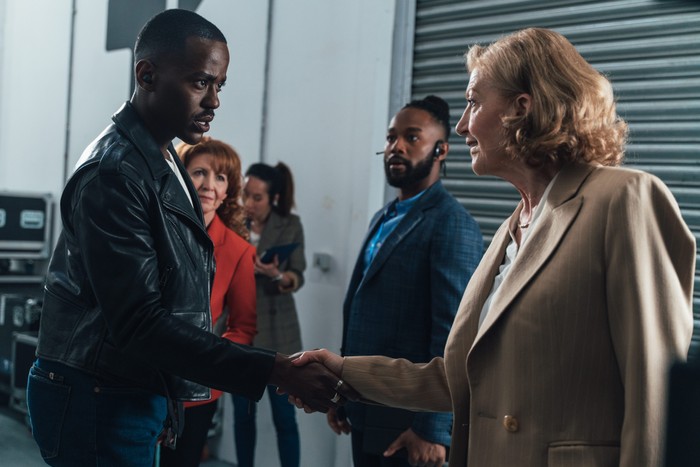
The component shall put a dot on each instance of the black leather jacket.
(127, 291)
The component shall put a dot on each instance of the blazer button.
(510, 423)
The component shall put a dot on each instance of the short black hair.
(437, 107)
(167, 33)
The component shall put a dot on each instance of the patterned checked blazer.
(405, 304)
(278, 322)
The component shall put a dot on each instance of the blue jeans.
(284, 418)
(78, 421)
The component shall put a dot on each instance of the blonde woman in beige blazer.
(560, 350)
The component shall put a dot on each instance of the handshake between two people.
(312, 380)
(324, 390)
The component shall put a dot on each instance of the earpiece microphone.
(438, 150)
(147, 78)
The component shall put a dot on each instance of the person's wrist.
(279, 370)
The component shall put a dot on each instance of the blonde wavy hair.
(226, 161)
(572, 116)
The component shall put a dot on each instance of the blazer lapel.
(558, 214)
(357, 273)
(466, 322)
(174, 197)
(407, 224)
(271, 233)
(217, 231)
(412, 218)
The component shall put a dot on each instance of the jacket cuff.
(294, 286)
(433, 427)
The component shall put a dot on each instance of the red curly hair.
(226, 161)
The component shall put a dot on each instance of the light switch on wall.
(322, 261)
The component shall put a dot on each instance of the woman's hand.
(270, 270)
(333, 362)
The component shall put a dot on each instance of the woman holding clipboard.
(279, 271)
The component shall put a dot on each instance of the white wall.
(101, 80)
(328, 109)
(327, 112)
(33, 89)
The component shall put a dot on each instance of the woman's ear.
(523, 103)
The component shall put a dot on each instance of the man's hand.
(331, 361)
(420, 451)
(315, 385)
(338, 424)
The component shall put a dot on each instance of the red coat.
(234, 287)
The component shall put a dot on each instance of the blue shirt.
(392, 217)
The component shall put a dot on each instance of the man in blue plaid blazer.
(416, 260)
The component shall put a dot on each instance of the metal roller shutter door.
(650, 49)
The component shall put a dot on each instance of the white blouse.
(171, 163)
(512, 252)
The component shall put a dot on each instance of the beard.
(412, 174)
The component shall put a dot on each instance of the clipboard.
(281, 251)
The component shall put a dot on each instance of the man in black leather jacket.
(125, 328)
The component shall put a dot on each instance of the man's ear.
(145, 74)
(444, 147)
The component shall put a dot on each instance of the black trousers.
(188, 452)
(682, 429)
(363, 459)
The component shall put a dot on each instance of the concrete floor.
(16, 444)
(19, 450)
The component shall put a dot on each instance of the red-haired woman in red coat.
(215, 169)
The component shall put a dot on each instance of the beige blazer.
(569, 368)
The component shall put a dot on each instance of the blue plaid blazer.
(403, 307)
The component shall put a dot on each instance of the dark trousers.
(682, 430)
(284, 418)
(188, 452)
(362, 459)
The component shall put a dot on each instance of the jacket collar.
(217, 231)
(131, 126)
(559, 212)
(413, 217)
(270, 235)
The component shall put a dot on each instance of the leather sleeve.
(142, 286)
